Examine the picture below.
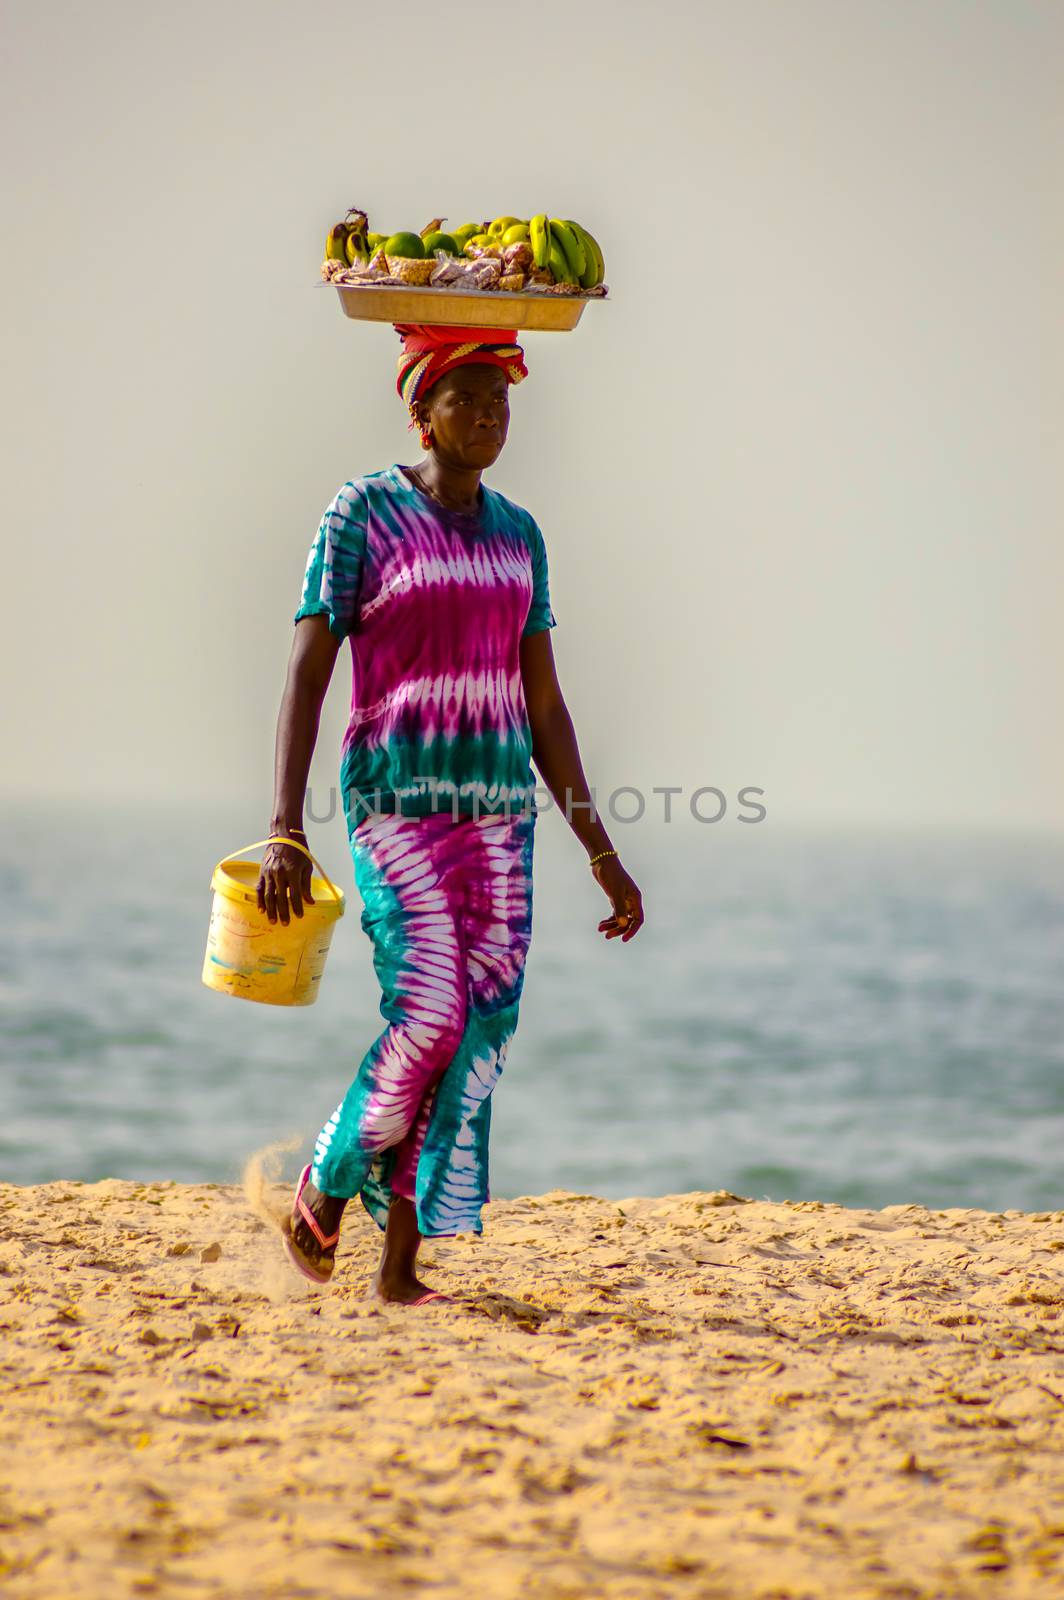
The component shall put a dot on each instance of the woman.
(441, 584)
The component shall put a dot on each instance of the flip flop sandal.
(297, 1260)
(423, 1299)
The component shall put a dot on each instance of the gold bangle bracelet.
(600, 855)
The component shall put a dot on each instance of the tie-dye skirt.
(448, 908)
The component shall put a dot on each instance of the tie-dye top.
(435, 603)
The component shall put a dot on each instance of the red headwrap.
(430, 350)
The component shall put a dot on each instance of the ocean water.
(860, 1017)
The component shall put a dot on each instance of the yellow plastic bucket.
(252, 958)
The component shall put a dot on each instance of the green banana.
(600, 260)
(595, 270)
(539, 235)
(574, 250)
(558, 263)
(336, 243)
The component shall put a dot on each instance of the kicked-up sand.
(691, 1396)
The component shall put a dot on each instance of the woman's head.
(464, 417)
(456, 383)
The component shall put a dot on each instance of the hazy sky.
(800, 477)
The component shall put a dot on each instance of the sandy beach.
(691, 1396)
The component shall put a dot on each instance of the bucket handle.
(280, 839)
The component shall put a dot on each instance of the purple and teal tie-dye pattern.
(440, 805)
(435, 604)
(448, 907)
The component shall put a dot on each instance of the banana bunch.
(558, 251)
(348, 241)
(571, 254)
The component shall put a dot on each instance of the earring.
(426, 439)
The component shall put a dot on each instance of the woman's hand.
(624, 896)
(286, 873)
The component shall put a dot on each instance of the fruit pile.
(544, 255)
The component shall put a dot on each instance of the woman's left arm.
(557, 757)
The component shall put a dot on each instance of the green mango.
(405, 244)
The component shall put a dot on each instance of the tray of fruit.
(507, 273)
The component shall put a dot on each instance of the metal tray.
(468, 308)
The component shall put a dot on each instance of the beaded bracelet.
(600, 855)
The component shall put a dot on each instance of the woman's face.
(468, 412)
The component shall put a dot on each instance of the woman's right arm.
(286, 871)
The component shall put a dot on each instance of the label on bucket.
(254, 959)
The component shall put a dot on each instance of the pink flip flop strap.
(433, 1294)
(309, 1218)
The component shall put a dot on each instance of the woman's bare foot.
(395, 1279)
(398, 1288)
(327, 1210)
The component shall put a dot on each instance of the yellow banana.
(561, 232)
(539, 234)
(336, 243)
(357, 247)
